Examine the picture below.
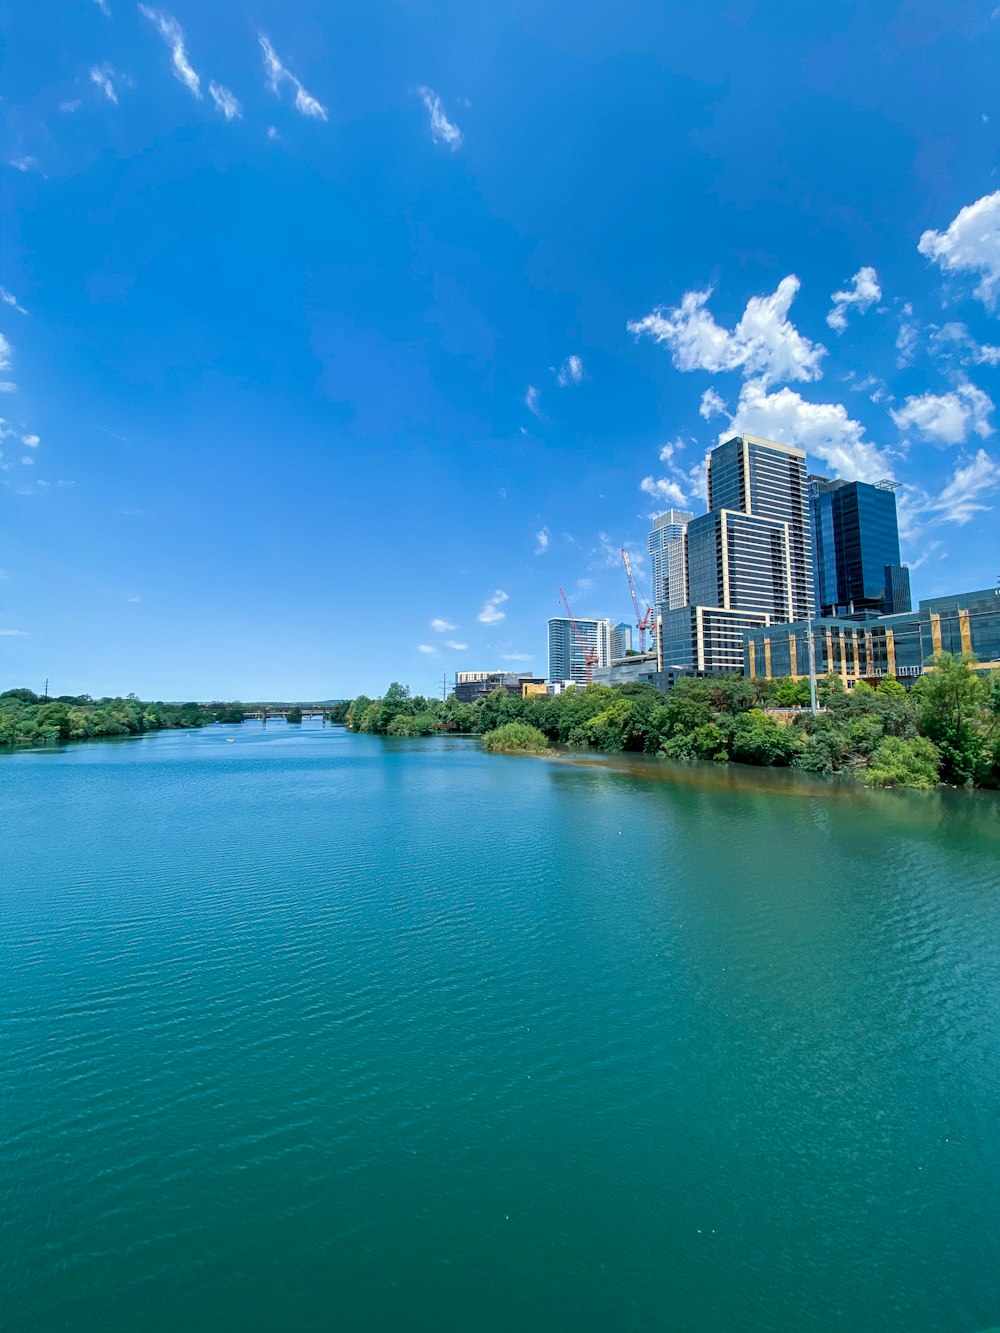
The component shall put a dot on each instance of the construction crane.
(643, 622)
(590, 655)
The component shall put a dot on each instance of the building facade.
(740, 562)
(621, 639)
(478, 684)
(666, 554)
(705, 639)
(768, 480)
(896, 645)
(566, 652)
(856, 537)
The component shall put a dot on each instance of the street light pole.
(812, 666)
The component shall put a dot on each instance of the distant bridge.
(282, 710)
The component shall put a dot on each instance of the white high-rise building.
(566, 652)
(666, 553)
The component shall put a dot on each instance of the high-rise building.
(621, 639)
(768, 480)
(740, 562)
(566, 653)
(666, 551)
(857, 549)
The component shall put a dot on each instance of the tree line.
(946, 728)
(27, 718)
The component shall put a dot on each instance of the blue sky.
(336, 338)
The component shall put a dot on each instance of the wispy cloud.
(861, 296)
(68, 107)
(542, 539)
(442, 129)
(171, 32)
(13, 634)
(570, 372)
(517, 657)
(711, 405)
(458, 647)
(530, 401)
(8, 298)
(6, 353)
(664, 489)
(23, 163)
(440, 626)
(225, 101)
(104, 7)
(32, 441)
(491, 613)
(427, 648)
(101, 76)
(276, 73)
(960, 500)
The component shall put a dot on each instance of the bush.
(902, 763)
(515, 738)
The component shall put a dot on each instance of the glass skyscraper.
(566, 653)
(666, 553)
(857, 549)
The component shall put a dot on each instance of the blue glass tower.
(857, 549)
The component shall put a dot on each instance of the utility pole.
(46, 687)
(812, 667)
(444, 687)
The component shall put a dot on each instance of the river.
(304, 1030)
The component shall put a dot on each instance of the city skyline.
(306, 314)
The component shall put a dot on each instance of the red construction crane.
(590, 655)
(642, 622)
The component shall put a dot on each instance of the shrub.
(515, 738)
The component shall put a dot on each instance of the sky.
(334, 340)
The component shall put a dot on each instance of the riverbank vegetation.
(945, 729)
(27, 718)
(516, 738)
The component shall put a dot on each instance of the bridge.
(282, 710)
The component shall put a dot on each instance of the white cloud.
(947, 418)
(8, 298)
(101, 76)
(517, 657)
(863, 294)
(28, 461)
(426, 648)
(662, 488)
(32, 441)
(171, 32)
(272, 132)
(542, 538)
(970, 244)
(570, 372)
(928, 550)
(822, 429)
(6, 386)
(530, 401)
(305, 103)
(225, 101)
(442, 129)
(103, 6)
(458, 647)
(13, 634)
(6, 352)
(491, 613)
(440, 626)
(906, 345)
(68, 107)
(24, 163)
(712, 404)
(764, 342)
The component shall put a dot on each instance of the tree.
(516, 738)
(901, 763)
(293, 715)
(951, 704)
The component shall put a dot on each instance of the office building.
(768, 480)
(479, 684)
(895, 645)
(566, 650)
(857, 549)
(666, 553)
(621, 639)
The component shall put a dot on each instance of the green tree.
(951, 703)
(903, 763)
(516, 738)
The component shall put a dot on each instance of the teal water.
(316, 1031)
